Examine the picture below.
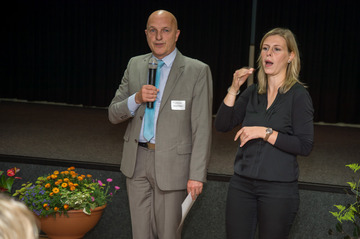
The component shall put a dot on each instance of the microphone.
(152, 77)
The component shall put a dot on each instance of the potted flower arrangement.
(56, 197)
(351, 212)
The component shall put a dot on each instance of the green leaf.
(356, 232)
(87, 211)
(339, 227)
(352, 185)
(9, 183)
(2, 180)
(340, 207)
(354, 166)
(335, 214)
(349, 215)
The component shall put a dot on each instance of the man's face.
(161, 34)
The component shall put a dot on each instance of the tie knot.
(160, 64)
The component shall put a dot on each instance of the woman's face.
(275, 56)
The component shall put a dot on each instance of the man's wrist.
(137, 98)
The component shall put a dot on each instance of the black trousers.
(272, 206)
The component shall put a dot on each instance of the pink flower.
(117, 187)
(11, 172)
(109, 180)
(100, 183)
(92, 199)
(111, 194)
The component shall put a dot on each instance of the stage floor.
(58, 132)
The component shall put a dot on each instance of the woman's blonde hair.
(16, 220)
(293, 68)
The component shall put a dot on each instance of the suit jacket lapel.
(174, 76)
(144, 70)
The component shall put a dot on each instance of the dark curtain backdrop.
(329, 41)
(76, 51)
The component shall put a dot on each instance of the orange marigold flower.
(48, 177)
(66, 207)
(89, 175)
(55, 190)
(75, 184)
(53, 176)
(47, 185)
(80, 178)
(71, 168)
(56, 209)
(83, 176)
(57, 183)
(64, 185)
(47, 208)
(66, 180)
(71, 184)
(72, 188)
(56, 172)
(66, 172)
(45, 205)
(51, 194)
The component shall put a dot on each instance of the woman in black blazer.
(276, 116)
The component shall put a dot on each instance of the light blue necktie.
(150, 113)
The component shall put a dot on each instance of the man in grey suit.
(161, 170)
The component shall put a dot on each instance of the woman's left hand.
(248, 133)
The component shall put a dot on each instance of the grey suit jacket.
(183, 137)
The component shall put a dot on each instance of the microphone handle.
(152, 79)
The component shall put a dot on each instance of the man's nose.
(159, 35)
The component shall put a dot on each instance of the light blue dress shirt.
(133, 106)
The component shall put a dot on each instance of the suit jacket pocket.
(184, 149)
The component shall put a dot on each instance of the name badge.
(178, 104)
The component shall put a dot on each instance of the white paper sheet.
(185, 208)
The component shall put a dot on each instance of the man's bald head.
(163, 14)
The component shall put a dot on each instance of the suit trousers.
(155, 214)
(270, 207)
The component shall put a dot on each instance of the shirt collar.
(169, 59)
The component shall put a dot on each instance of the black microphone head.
(153, 63)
